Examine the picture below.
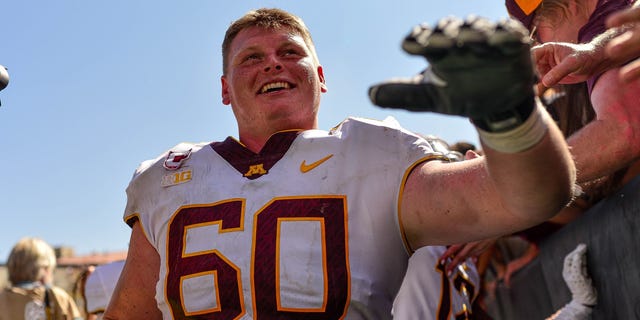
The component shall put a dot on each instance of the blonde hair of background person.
(32, 295)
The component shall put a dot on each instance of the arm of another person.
(134, 295)
(497, 194)
(612, 140)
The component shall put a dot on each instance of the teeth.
(274, 85)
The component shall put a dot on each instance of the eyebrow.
(285, 44)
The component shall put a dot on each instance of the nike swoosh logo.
(304, 167)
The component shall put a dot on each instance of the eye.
(253, 56)
(291, 52)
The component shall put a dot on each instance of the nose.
(272, 63)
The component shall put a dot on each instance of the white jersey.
(427, 293)
(306, 229)
(100, 285)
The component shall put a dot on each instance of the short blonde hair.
(29, 260)
(268, 18)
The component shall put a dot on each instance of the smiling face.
(273, 81)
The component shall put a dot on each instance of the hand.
(575, 275)
(459, 253)
(516, 264)
(627, 45)
(560, 62)
(478, 69)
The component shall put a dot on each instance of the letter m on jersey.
(255, 169)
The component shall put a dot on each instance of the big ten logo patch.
(177, 177)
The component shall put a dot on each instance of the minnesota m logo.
(255, 169)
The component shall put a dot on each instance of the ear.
(323, 84)
(226, 96)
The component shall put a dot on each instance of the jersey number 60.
(329, 210)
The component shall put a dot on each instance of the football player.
(291, 222)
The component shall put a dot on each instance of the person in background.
(32, 294)
(617, 47)
(617, 118)
(98, 288)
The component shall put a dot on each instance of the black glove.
(478, 69)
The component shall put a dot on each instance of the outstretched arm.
(134, 295)
(490, 196)
(483, 71)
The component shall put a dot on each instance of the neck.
(255, 140)
(253, 143)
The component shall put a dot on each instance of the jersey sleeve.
(146, 189)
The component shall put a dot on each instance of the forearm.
(604, 60)
(612, 140)
(594, 157)
(535, 183)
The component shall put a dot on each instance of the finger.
(630, 72)
(621, 17)
(540, 88)
(459, 258)
(540, 51)
(451, 251)
(560, 71)
(580, 259)
(620, 46)
(542, 65)
(507, 278)
(568, 262)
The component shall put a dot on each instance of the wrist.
(506, 120)
(527, 134)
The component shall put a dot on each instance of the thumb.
(402, 93)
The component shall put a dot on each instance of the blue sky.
(99, 86)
